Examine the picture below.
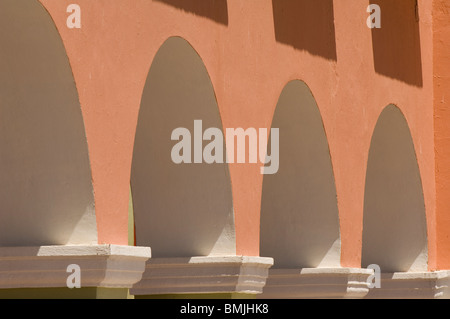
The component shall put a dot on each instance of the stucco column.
(441, 89)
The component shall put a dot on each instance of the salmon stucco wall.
(441, 90)
(251, 50)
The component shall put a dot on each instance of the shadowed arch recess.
(394, 227)
(299, 214)
(183, 209)
(46, 191)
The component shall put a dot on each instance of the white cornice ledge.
(413, 285)
(198, 275)
(109, 266)
(310, 283)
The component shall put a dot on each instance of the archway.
(46, 193)
(183, 209)
(299, 214)
(394, 228)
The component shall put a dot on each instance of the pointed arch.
(179, 209)
(394, 226)
(46, 192)
(299, 213)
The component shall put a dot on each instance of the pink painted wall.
(441, 85)
(250, 55)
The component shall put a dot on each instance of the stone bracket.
(413, 285)
(108, 266)
(317, 283)
(200, 275)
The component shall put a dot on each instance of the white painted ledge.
(109, 266)
(413, 285)
(322, 283)
(198, 275)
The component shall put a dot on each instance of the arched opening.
(299, 214)
(394, 228)
(183, 209)
(46, 193)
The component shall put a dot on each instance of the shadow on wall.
(180, 210)
(396, 45)
(299, 213)
(216, 10)
(394, 233)
(306, 25)
(46, 192)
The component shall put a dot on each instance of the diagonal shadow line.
(306, 25)
(396, 45)
(216, 10)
